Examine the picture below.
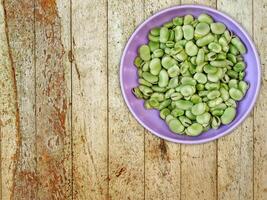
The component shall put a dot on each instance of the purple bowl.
(150, 118)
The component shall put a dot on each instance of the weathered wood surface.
(66, 132)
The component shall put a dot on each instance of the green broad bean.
(217, 112)
(215, 47)
(236, 94)
(176, 96)
(228, 115)
(162, 46)
(233, 83)
(188, 32)
(204, 18)
(176, 126)
(215, 122)
(137, 93)
(221, 56)
(173, 83)
(153, 103)
(163, 78)
(217, 28)
(212, 86)
(158, 89)
(198, 109)
(164, 112)
(167, 62)
(183, 104)
(225, 86)
(188, 81)
(168, 118)
(189, 114)
(178, 21)
(188, 19)
(200, 87)
(233, 50)
(164, 35)
(210, 69)
(167, 50)
(178, 33)
(239, 67)
(200, 77)
(211, 56)
(202, 29)
(191, 49)
(205, 40)
(164, 104)
(218, 63)
(194, 129)
(224, 94)
(243, 86)
(145, 90)
(155, 66)
(176, 112)
(232, 74)
(203, 118)
(213, 77)
(168, 24)
(185, 121)
(174, 71)
(169, 92)
(200, 57)
(138, 62)
(155, 31)
(224, 43)
(195, 99)
(231, 102)
(203, 93)
(158, 53)
(172, 34)
(144, 52)
(158, 96)
(227, 35)
(238, 45)
(147, 105)
(170, 44)
(181, 56)
(213, 94)
(153, 45)
(144, 82)
(187, 90)
(150, 77)
(192, 68)
(215, 102)
(232, 58)
(140, 72)
(153, 38)
(145, 66)
(241, 75)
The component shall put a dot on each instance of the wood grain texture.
(126, 136)
(198, 162)
(20, 23)
(53, 99)
(9, 115)
(162, 158)
(89, 77)
(260, 125)
(235, 151)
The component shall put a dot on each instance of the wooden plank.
(162, 158)
(52, 26)
(126, 136)
(235, 151)
(89, 78)
(9, 115)
(20, 23)
(260, 125)
(198, 162)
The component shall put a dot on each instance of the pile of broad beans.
(192, 71)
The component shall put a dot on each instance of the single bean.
(231, 57)
(153, 38)
(203, 93)
(188, 19)
(144, 82)
(224, 43)
(138, 62)
(217, 112)
(236, 94)
(140, 72)
(137, 93)
(227, 35)
(147, 105)
(144, 52)
(178, 33)
(167, 62)
(174, 71)
(203, 118)
(176, 112)
(169, 118)
(198, 109)
(188, 32)
(228, 115)
(200, 57)
(225, 86)
(215, 47)
(215, 102)
(233, 50)
(155, 31)
(178, 21)
(194, 130)
(158, 89)
(217, 28)
(205, 40)
(239, 45)
(181, 56)
(213, 94)
(164, 35)
(149, 77)
(145, 66)
(200, 77)
(205, 18)
(176, 126)
(232, 74)
(191, 49)
(155, 66)
(164, 112)
(158, 96)
(145, 90)
(224, 94)
(169, 92)
(183, 104)
(211, 56)
(187, 90)
(172, 35)
(153, 103)
(218, 63)
(202, 29)
(163, 78)
(195, 99)
(164, 104)
(231, 102)
(168, 24)
(212, 86)
(158, 53)
(189, 114)
(243, 86)
(210, 69)
(153, 45)
(162, 46)
(200, 87)
(233, 83)
(215, 122)
(185, 121)
(241, 75)
(176, 96)
(240, 66)
(173, 83)
(188, 81)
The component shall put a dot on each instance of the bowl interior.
(150, 118)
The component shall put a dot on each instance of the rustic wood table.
(66, 132)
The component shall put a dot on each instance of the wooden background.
(66, 132)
